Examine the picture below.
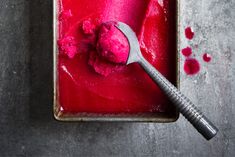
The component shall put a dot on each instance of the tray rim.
(58, 115)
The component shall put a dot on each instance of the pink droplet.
(187, 51)
(189, 33)
(206, 57)
(191, 66)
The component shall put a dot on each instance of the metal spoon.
(181, 102)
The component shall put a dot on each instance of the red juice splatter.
(189, 33)
(206, 57)
(187, 51)
(191, 66)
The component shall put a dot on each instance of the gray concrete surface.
(27, 127)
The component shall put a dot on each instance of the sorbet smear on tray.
(93, 77)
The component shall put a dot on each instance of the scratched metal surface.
(27, 127)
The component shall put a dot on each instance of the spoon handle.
(182, 103)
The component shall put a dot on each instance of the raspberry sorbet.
(93, 77)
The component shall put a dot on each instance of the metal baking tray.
(147, 117)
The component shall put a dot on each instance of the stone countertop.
(26, 121)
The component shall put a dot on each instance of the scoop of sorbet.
(112, 44)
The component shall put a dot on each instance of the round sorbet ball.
(112, 44)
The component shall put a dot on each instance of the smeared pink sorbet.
(68, 46)
(102, 66)
(65, 14)
(88, 27)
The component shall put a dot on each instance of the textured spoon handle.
(182, 103)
